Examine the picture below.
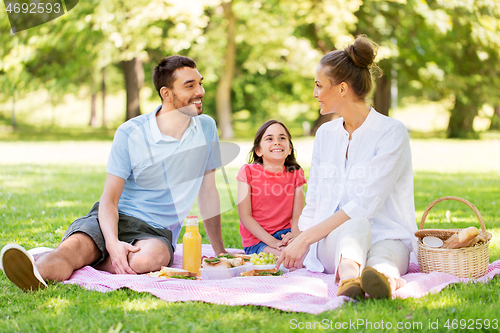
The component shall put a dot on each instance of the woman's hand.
(293, 255)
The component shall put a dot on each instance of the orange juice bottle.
(191, 246)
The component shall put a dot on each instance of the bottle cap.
(192, 220)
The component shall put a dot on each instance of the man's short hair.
(164, 73)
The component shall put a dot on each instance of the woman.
(359, 218)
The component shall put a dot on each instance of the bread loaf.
(462, 239)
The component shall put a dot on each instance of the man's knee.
(79, 247)
(74, 252)
(153, 254)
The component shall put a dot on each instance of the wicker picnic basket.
(466, 262)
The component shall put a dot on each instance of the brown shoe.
(19, 267)
(375, 284)
(351, 288)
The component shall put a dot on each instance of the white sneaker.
(37, 252)
(19, 267)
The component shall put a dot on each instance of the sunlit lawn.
(37, 202)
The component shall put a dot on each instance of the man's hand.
(108, 221)
(118, 254)
(209, 204)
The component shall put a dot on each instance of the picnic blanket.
(297, 291)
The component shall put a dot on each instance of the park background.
(441, 62)
(65, 86)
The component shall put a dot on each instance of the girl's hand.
(293, 255)
(277, 244)
(286, 238)
(289, 237)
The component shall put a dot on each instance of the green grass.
(38, 202)
(27, 133)
(31, 133)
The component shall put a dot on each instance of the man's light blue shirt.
(162, 174)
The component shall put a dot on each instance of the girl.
(359, 219)
(270, 191)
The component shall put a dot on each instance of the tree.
(495, 119)
(269, 73)
(224, 87)
(390, 24)
(134, 80)
(103, 91)
(71, 52)
(440, 49)
(54, 54)
(133, 33)
(125, 28)
(463, 59)
(476, 61)
(14, 81)
(327, 24)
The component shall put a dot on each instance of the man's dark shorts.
(130, 230)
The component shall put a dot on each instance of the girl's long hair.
(290, 161)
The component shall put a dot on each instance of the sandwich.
(214, 262)
(169, 272)
(222, 262)
(245, 257)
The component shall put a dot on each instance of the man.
(158, 163)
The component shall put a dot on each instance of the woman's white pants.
(353, 240)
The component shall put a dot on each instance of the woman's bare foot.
(395, 283)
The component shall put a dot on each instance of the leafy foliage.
(440, 49)
(435, 49)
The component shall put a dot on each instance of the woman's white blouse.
(374, 182)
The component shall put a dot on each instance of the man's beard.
(189, 109)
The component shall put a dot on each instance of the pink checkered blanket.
(298, 291)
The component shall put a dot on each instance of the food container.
(225, 273)
(465, 262)
(282, 268)
(432, 241)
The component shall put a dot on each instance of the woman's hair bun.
(362, 52)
